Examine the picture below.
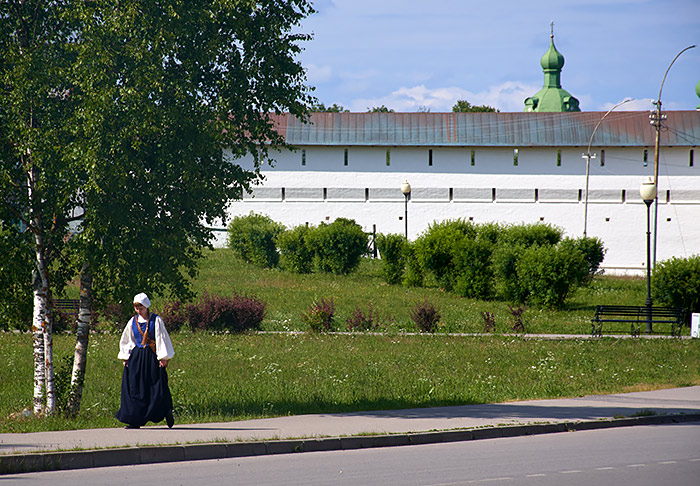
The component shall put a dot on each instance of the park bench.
(637, 316)
(67, 306)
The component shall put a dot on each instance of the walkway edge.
(126, 456)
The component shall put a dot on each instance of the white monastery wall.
(483, 184)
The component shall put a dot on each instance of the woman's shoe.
(129, 426)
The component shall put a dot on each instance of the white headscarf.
(142, 299)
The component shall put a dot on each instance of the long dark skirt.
(145, 393)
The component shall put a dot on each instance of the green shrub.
(676, 283)
(490, 232)
(592, 250)
(549, 273)
(63, 370)
(504, 261)
(339, 246)
(462, 256)
(296, 250)
(414, 270)
(473, 274)
(320, 316)
(528, 235)
(435, 248)
(253, 238)
(392, 249)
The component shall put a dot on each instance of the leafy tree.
(380, 109)
(463, 106)
(155, 102)
(473, 276)
(334, 108)
(185, 108)
(37, 178)
(15, 272)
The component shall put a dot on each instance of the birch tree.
(35, 181)
(145, 107)
(171, 94)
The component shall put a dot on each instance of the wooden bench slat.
(637, 315)
(70, 306)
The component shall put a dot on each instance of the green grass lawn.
(231, 377)
(288, 295)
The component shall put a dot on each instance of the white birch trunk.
(38, 320)
(41, 324)
(81, 344)
(48, 359)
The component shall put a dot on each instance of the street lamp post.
(588, 157)
(406, 190)
(656, 119)
(648, 193)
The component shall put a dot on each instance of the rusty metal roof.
(619, 129)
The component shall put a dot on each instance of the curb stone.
(126, 456)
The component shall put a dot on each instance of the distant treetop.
(380, 109)
(463, 106)
(321, 108)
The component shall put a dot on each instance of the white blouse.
(164, 347)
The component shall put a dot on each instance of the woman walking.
(146, 349)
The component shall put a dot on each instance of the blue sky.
(413, 54)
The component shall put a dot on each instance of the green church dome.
(552, 97)
(552, 59)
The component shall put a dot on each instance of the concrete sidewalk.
(109, 447)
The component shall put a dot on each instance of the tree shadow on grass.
(233, 410)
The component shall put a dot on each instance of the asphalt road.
(646, 455)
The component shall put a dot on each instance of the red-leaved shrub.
(371, 320)
(426, 316)
(174, 315)
(320, 315)
(216, 313)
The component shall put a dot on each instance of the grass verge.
(232, 377)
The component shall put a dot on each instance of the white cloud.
(318, 74)
(507, 97)
(633, 105)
